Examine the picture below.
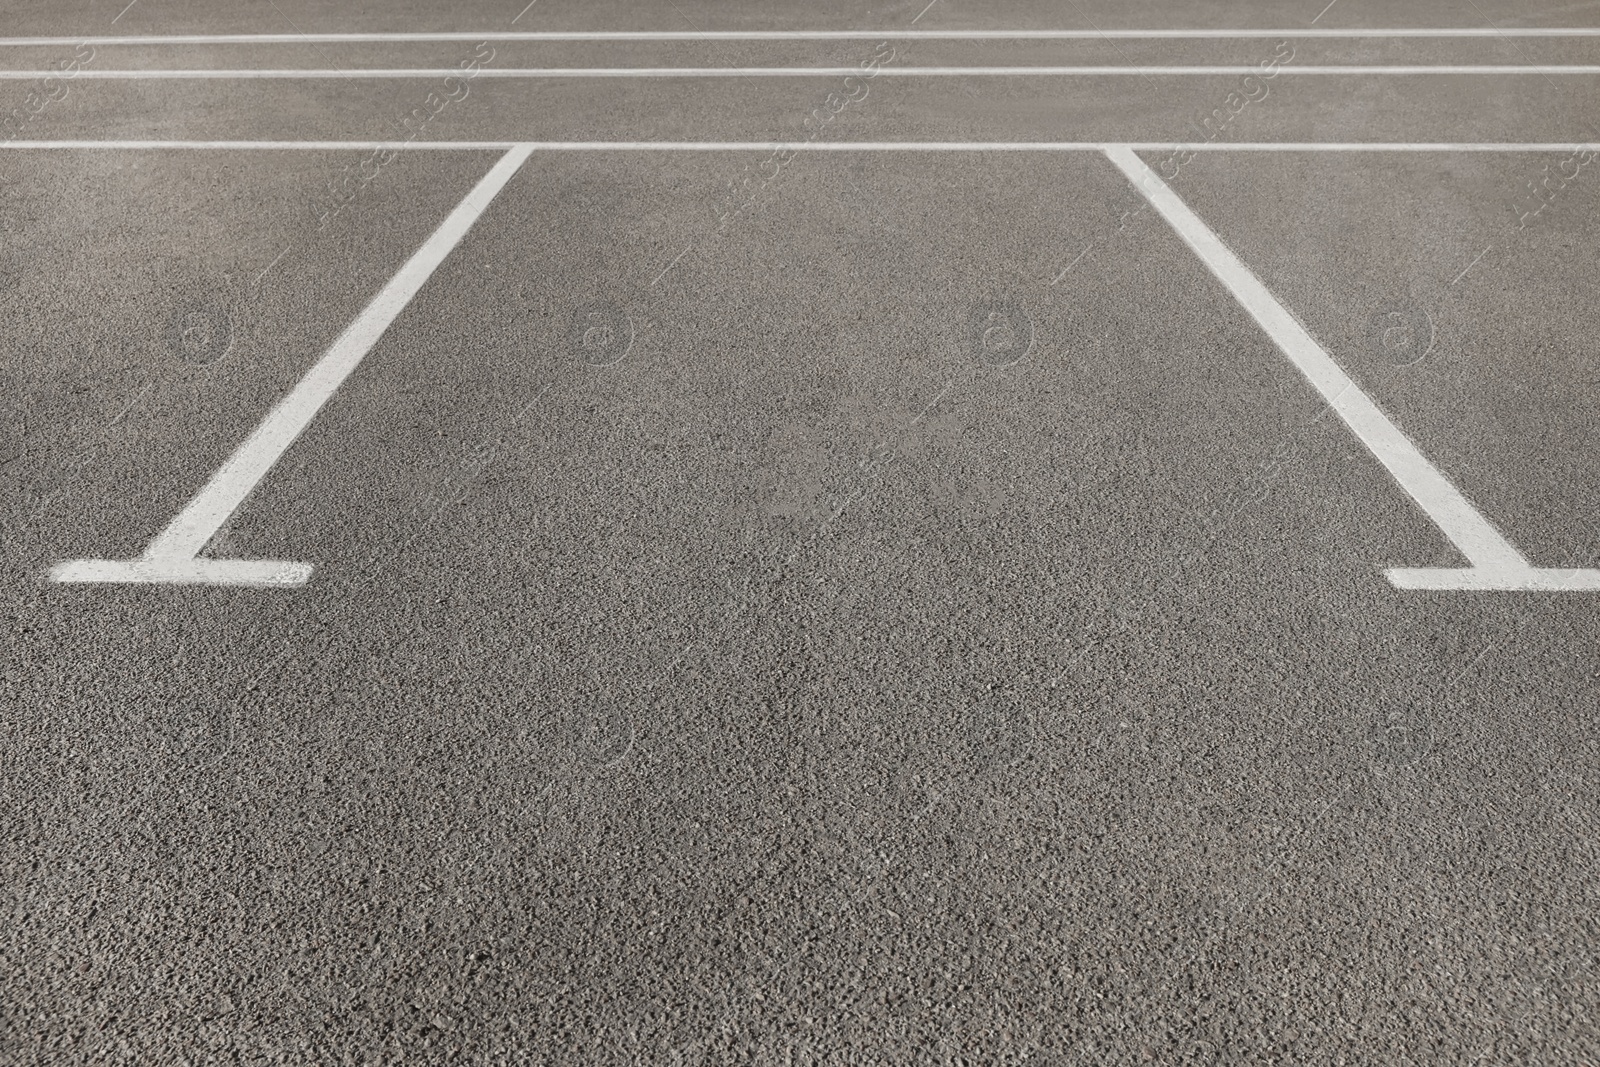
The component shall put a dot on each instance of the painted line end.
(1480, 579)
(196, 571)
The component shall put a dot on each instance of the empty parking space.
(1440, 280)
(809, 602)
(211, 284)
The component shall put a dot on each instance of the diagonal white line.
(130, 405)
(669, 266)
(1469, 667)
(1074, 263)
(1474, 263)
(1468, 530)
(269, 266)
(188, 533)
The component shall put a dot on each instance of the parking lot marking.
(1419, 32)
(196, 571)
(173, 557)
(1495, 563)
(1530, 579)
(810, 146)
(1107, 71)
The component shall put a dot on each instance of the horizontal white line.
(275, 146)
(1371, 146)
(813, 146)
(1493, 579)
(358, 74)
(249, 572)
(814, 35)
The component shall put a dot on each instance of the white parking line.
(813, 146)
(1495, 563)
(173, 557)
(813, 35)
(377, 74)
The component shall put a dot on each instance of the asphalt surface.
(718, 652)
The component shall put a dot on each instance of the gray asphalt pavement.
(874, 607)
